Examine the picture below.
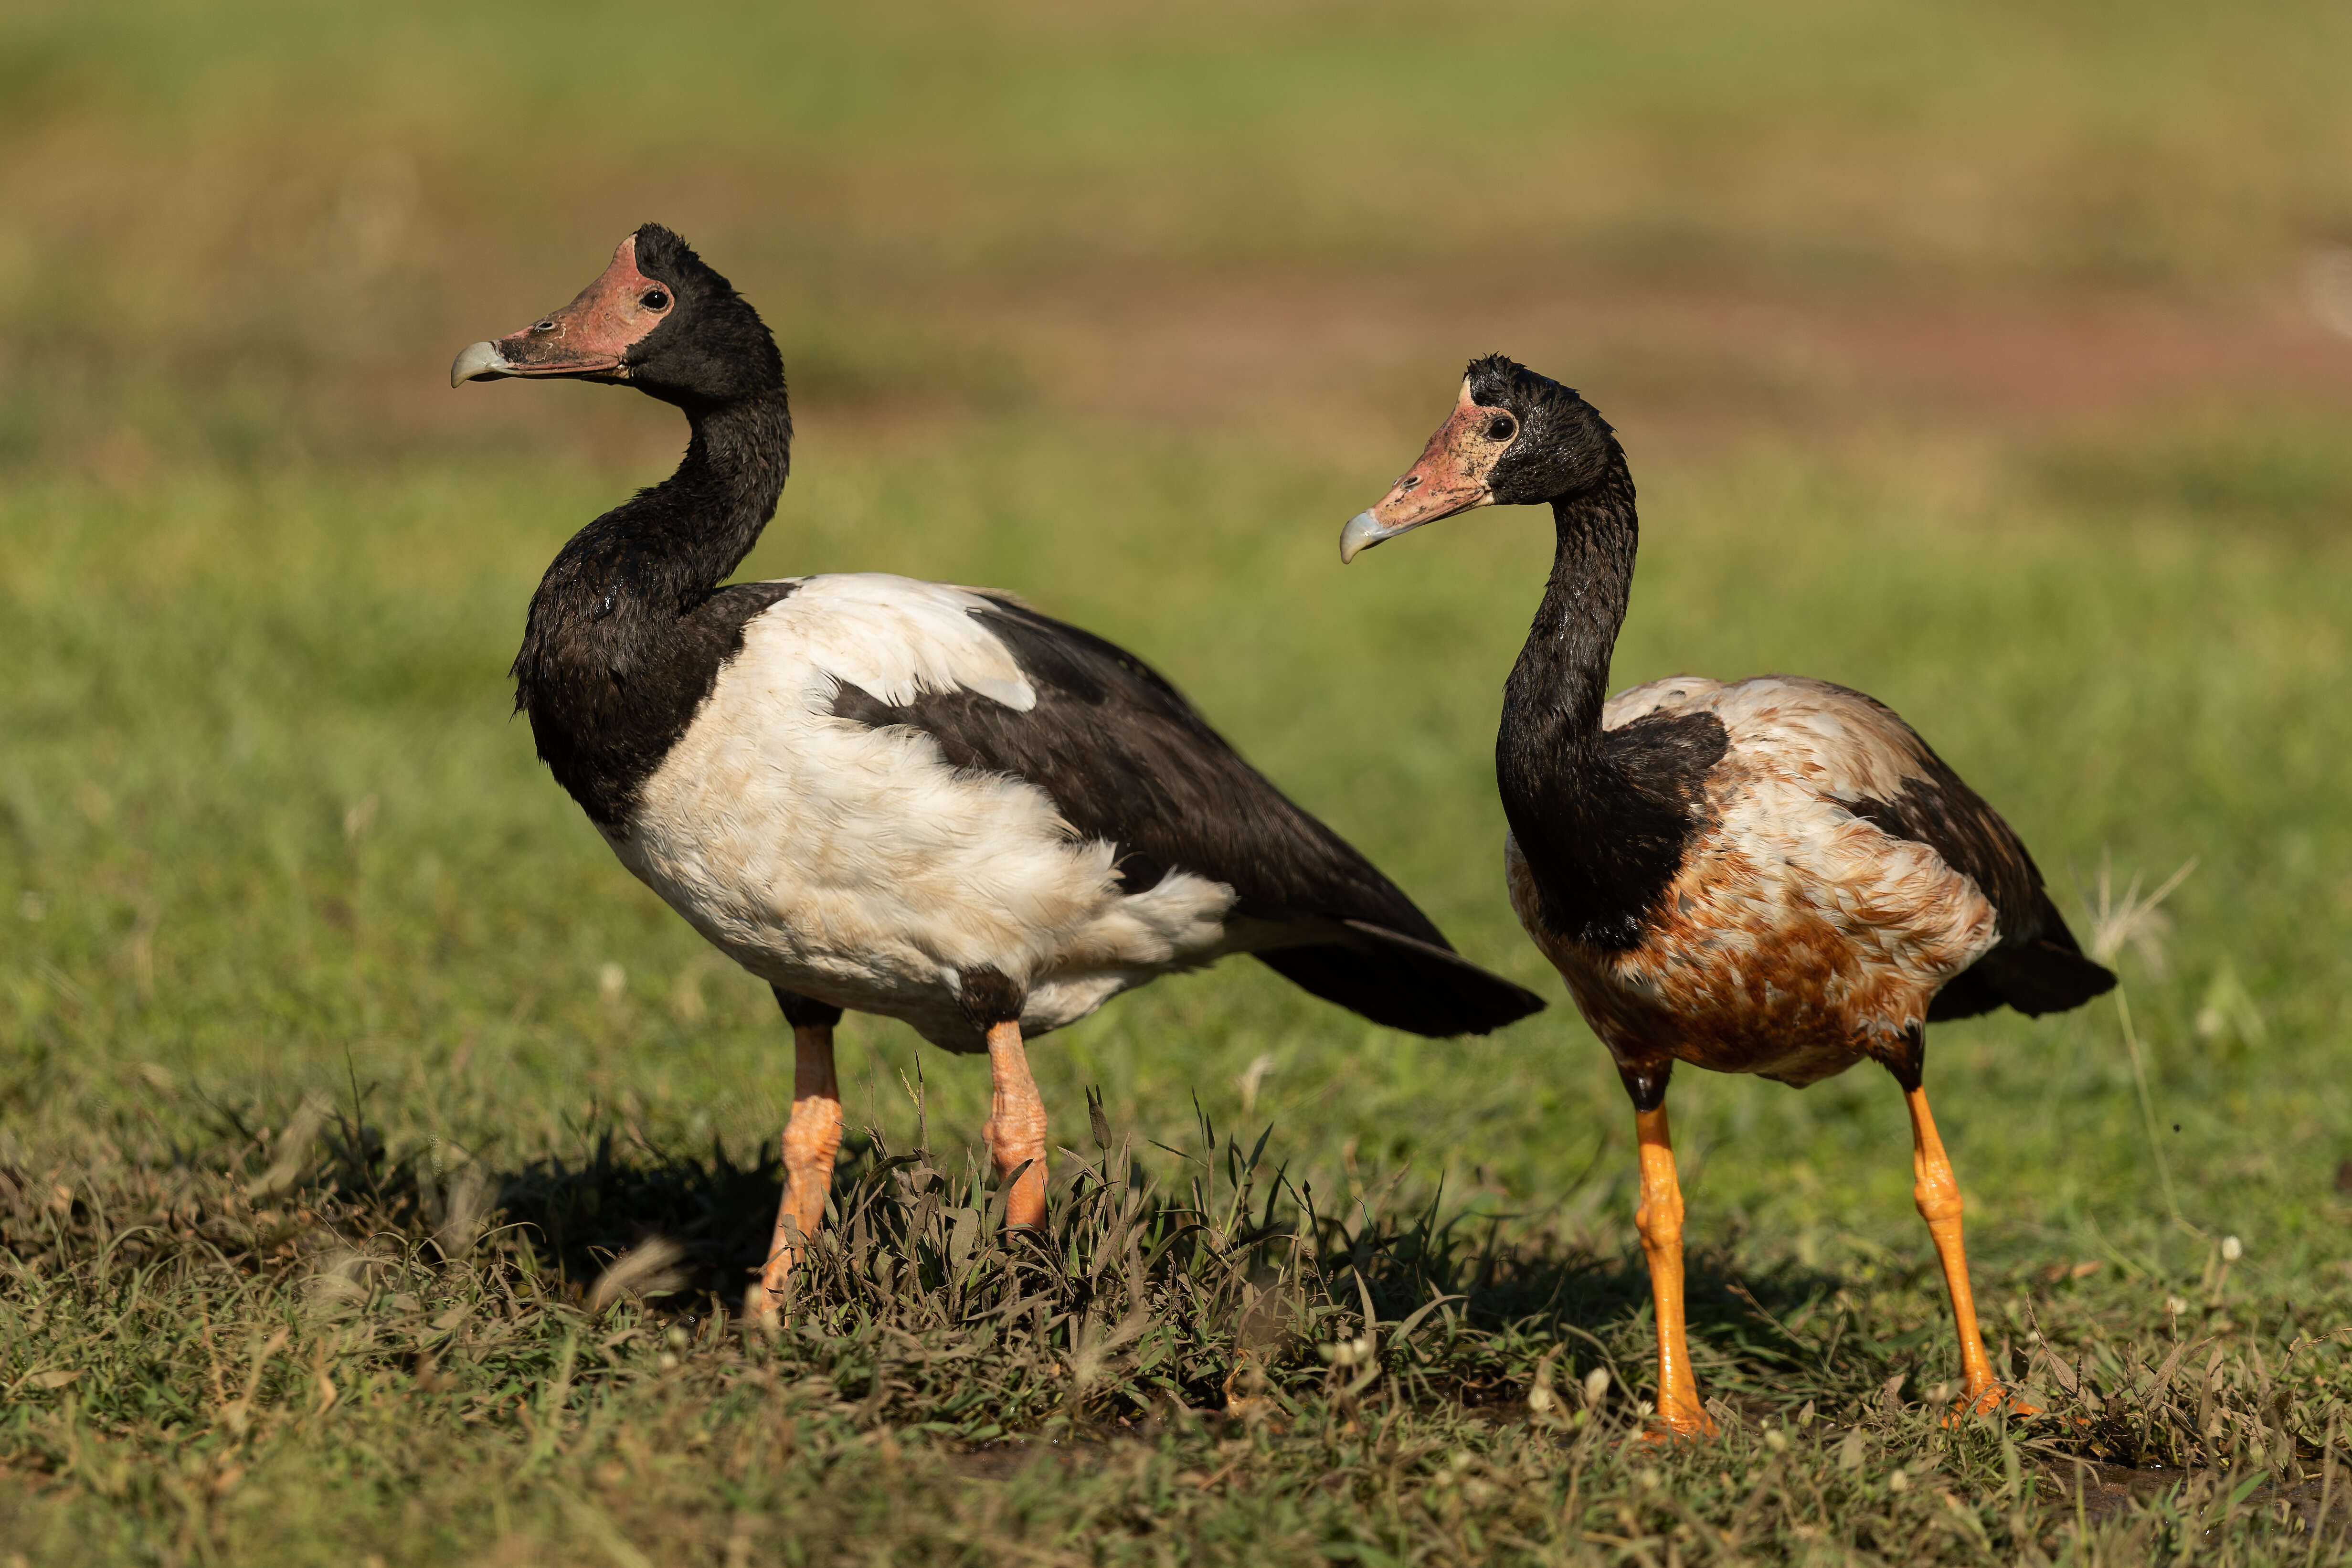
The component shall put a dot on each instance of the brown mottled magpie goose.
(905, 798)
(1775, 876)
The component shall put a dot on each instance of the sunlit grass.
(273, 840)
(351, 1098)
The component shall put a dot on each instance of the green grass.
(287, 847)
(339, 1062)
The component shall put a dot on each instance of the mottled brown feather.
(1800, 934)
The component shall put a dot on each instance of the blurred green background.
(1991, 359)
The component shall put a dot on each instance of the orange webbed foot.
(1988, 1399)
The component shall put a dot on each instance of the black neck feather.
(687, 533)
(1552, 702)
(1603, 816)
(629, 628)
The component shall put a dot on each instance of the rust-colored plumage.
(1797, 936)
(1775, 876)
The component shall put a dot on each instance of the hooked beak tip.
(1363, 531)
(477, 362)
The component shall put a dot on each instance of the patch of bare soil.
(2108, 1491)
(1335, 361)
(1698, 356)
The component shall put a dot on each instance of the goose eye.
(1502, 429)
(654, 300)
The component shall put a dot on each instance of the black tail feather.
(1403, 983)
(2043, 973)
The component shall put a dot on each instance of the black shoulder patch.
(1605, 842)
(610, 681)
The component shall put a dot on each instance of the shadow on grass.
(1228, 1254)
(1208, 1323)
(1208, 1288)
(1229, 1260)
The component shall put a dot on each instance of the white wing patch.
(1837, 741)
(897, 637)
(854, 865)
(1669, 695)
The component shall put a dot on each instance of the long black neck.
(628, 629)
(1552, 702)
(1603, 816)
(685, 535)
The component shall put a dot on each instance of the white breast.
(854, 865)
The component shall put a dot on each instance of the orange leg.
(1938, 1193)
(1016, 1127)
(1660, 1220)
(811, 1139)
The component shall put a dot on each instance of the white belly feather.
(854, 865)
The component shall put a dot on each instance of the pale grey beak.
(478, 361)
(1363, 531)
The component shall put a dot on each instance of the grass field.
(1966, 362)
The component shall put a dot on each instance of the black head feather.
(713, 348)
(1563, 447)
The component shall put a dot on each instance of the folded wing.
(1125, 758)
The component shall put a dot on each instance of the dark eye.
(654, 300)
(1502, 427)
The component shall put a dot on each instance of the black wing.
(1125, 758)
(2037, 967)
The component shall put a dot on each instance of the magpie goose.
(927, 802)
(1774, 876)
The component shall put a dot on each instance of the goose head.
(1515, 439)
(657, 319)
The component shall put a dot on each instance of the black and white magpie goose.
(901, 797)
(1775, 876)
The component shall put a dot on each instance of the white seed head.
(2132, 919)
